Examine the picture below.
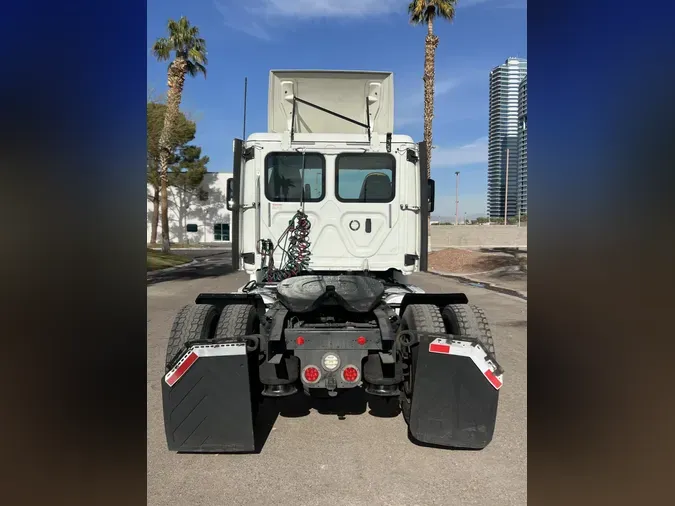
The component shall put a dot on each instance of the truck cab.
(331, 154)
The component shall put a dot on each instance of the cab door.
(290, 181)
(366, 191)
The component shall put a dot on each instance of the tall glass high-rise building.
(522, 146)
(505, 81)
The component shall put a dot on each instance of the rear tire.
(423, 318)
(469, 321)
(237, 320)
(194, 322)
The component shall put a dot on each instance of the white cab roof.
(344, 92)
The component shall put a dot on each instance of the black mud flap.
(455, 394)
(209, 400)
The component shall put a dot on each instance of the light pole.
(456, 198)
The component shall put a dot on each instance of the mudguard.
(455, 393)
(209, 401)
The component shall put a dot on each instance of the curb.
(477, 246)
(208, 255)
(483, 284)
(498, 270)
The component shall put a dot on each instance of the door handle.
(368, 226)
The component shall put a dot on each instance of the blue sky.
(248, 38)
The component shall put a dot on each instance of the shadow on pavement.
(384, 407)
(508, 276)
(510, 251)
(204, 267)
(518, 255)
(349, 402)
(422, 444)
(264, 421)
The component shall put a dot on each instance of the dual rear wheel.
(201, 322)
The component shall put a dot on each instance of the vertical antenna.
(245, 90)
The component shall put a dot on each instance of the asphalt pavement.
(206, 263)
(357, 459)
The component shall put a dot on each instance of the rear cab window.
(287, 175)
(365, 177)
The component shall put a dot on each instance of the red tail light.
(361, 340)
(311, 374)
(350, 374)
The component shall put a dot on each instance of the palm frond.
(445, 8)
(174, 28)
(162, 49)
(197, 55)
(417, 10)
(421, 11)
(194, 69)
(184, 41)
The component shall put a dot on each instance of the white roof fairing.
(343, 92)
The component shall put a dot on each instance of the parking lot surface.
(326, 459)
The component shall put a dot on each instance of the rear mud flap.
(209, 403)
(455, 394)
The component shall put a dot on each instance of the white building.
(196, 216)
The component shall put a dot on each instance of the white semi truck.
(329, 217)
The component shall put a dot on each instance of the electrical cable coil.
(295, 251)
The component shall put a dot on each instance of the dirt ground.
(465, 261)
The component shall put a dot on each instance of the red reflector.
(300, 340)
(182, 369)
(439, 348)
(311, 374)
(361, 340)
(350, 374)
(493, 379)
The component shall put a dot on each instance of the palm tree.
(425, 11)
(189, 58)
(183, 132)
